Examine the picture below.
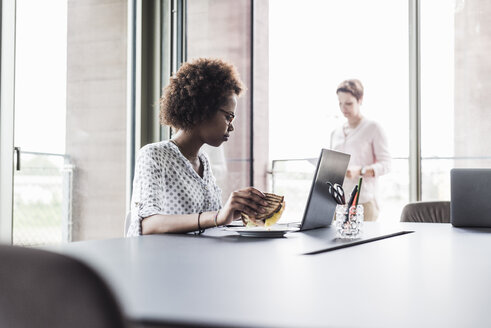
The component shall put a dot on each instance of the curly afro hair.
(196, 92)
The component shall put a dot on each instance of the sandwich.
(274, 209)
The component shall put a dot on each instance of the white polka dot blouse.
(166, 183)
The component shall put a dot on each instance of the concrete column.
(96, 115)
(473, 81)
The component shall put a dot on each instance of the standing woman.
(365, 140)
(174, 190)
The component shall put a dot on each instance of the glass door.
(42, 175)
(69, 182)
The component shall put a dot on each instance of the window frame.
(7, 96)
(415, 183)
(156, 49)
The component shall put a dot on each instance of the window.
(454, 99)
(310, 54)
(70, 121)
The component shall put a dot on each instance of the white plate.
(259, 232)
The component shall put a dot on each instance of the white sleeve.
(148, 188)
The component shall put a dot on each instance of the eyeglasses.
(229, 117)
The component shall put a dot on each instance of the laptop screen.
(320, 207)
(469, 197)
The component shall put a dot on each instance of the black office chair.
(435, 212)
(44, 289)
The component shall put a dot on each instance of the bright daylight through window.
(312, 50)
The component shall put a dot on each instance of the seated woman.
(174, 190)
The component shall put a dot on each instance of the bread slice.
(274, 209)
(274, 205)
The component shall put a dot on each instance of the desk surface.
(436, 276)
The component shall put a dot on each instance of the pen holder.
(349, 224)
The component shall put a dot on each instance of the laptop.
(470, 194)
(320, 207)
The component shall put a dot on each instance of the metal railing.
(293, 178)
(42, 199)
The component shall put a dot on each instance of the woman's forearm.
(159, 223)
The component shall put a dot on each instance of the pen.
(359, 190)
(355, 202)
(352, 196)
(351, 200)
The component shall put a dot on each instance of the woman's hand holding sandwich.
(248, 200)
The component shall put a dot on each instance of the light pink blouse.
(368, 146)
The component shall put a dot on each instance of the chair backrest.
(436, 212)
(44, 289)
(127, 222)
